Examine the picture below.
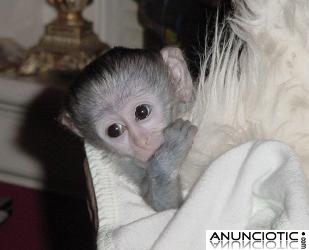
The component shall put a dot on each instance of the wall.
(115, 21)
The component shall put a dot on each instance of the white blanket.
(257, 185)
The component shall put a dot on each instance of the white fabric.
(257, 185)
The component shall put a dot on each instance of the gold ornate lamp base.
(68, 43)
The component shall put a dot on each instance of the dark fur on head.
(117, 74)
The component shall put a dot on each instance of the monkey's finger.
(173, 129)
(192, 132)
(178, 124)
(186, 126)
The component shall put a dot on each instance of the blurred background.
(43, 45)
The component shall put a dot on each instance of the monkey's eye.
(115, 130)
(142, 111)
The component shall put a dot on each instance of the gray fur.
(113, 76)
(162, 186)
(127, 72)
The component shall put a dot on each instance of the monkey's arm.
(163, 190)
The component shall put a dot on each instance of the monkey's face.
(134, 127)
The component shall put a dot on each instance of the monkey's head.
(124, 99)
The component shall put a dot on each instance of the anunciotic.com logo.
(256, 239)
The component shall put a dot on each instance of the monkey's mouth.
(144, 154)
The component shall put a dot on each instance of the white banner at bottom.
(256, 239)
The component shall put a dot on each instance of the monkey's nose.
(139, 137)
(141, 140)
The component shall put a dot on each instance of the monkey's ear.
(67, 121)
(179, 71)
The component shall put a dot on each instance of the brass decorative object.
(68, 43)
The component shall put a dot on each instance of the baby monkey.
(125, 102)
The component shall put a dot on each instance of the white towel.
(257, 185)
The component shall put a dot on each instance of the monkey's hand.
(164, 191)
